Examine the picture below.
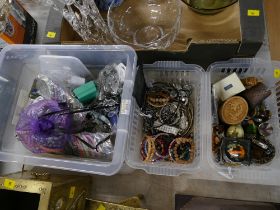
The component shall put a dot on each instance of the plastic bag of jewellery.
(99, 116)
(91, 145)
(110, 80)
(87, 120)
(45, 87)
(46, 128)
(104, 112)
(43, 134)
(94, 122)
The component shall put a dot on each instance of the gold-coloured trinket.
(234, 110)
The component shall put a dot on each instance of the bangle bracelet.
(161, 146)
(151, 149)
(158, 99)
(181, 150)
(143, 150)
(171, 150)
(147, 148)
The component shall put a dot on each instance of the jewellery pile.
(168, 115)
(78, 118)
(240, 122)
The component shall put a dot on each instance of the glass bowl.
(209, 6)
(148, 24)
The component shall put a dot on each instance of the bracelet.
(158, 99)
(147, 148)
(161, 146)
(181, 150)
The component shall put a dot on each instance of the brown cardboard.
(219, 28)
(272, 8)
(223, 27)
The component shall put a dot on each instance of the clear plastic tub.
(245, 68)
(175, 72)
(19, 65)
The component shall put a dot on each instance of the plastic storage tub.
(246, 68)
(19, 65)
(175, 72)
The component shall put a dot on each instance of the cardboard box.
(202, 39)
